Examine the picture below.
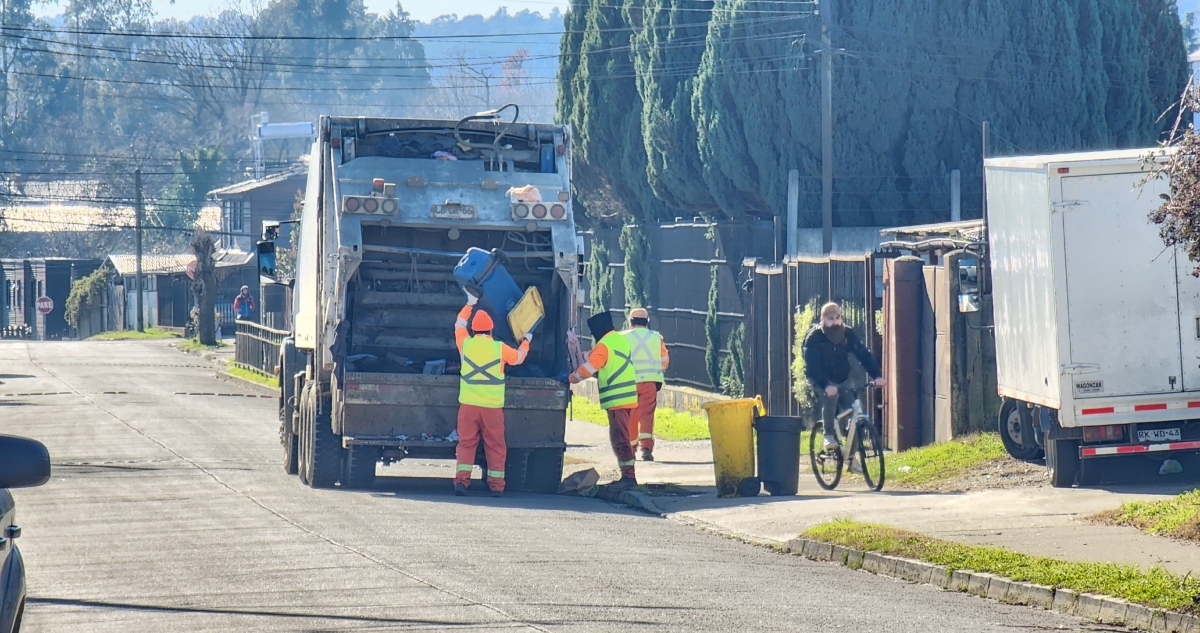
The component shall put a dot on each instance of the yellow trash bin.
(731, 425)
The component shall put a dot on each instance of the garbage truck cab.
(371, 373)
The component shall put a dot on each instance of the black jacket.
(828, 364)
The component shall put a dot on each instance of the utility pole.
(987, 134)
(137, 183)
(826, 125)
(955, 195)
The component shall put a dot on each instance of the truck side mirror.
(266, 263)
(968, 285)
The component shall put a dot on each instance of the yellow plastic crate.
(528, 312)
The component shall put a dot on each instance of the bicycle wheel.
(870, 455)
(826, 465)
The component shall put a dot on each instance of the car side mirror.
(266, 262)
(24, 463)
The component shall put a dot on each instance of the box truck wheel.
(1015, 423)
(544, 473)
(302, 440)
(1062, 460)
(360, 466)
(323, 454)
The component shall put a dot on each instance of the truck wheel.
(360, 466)
(287, 408)
(324, 455)
(544, 473)
(291, 446)
(514, 469)
(303, 469)
(1015, 425)
(1062, 460)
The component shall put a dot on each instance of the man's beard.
(835, 333)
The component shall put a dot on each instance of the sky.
(423, 10)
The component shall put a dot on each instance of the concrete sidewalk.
(1041, 520)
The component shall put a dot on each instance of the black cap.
(600, 324)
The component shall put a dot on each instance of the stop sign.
(45, 305)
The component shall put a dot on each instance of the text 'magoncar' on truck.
(371, 372)
(1097, 322)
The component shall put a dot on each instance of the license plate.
(453, 211)
(1159, 435)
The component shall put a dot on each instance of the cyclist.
(827, 350)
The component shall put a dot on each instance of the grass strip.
(939, 462)
(1178, 517)
(668, 424)
(133, 335)
(1155, 587)
(252, 376)
(193, 344)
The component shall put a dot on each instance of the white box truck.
(1097, 321)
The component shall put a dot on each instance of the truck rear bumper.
(1132, 449)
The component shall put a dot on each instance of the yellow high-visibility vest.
(646, 346)
(482, 375)
(618, 382)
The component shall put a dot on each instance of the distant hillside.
(542, 43)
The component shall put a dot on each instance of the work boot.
(497, 493)
(623, 484)
(647, 455)
(460, 490)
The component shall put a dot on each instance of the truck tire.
(1062, 461)
(287, 407)
(1016, 431)
(360, 466)
(324, 454)
(544, 471)
(302, 440)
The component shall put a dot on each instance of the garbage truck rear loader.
(372, 371)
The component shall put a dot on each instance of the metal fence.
(777, 295)
(257, 347)
(686, 253)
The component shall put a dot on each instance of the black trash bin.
(779, 453)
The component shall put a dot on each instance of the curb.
(1089, 606)
(253, 386)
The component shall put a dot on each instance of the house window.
(234, 219)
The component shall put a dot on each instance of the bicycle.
(865, 443)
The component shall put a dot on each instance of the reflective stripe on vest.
(646, 346)
(618, 382)
(482, 381)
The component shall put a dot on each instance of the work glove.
(529, 336)
(471, 299)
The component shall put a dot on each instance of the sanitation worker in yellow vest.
(610, 363)
(650, 361)
(481, 397)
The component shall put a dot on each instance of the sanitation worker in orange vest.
(650, 361)
(610, 362)
(481, 397)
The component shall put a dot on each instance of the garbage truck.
(370, 373)
(1097, 321)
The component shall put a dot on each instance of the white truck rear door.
(1189, 321)
(1122, 302)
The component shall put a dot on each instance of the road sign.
(45, 305)
(191, 269)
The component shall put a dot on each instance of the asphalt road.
(169, 511)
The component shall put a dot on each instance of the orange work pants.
(474, 422)
(618, 436)
(641, 424)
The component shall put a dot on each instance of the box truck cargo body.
(1097, 321)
